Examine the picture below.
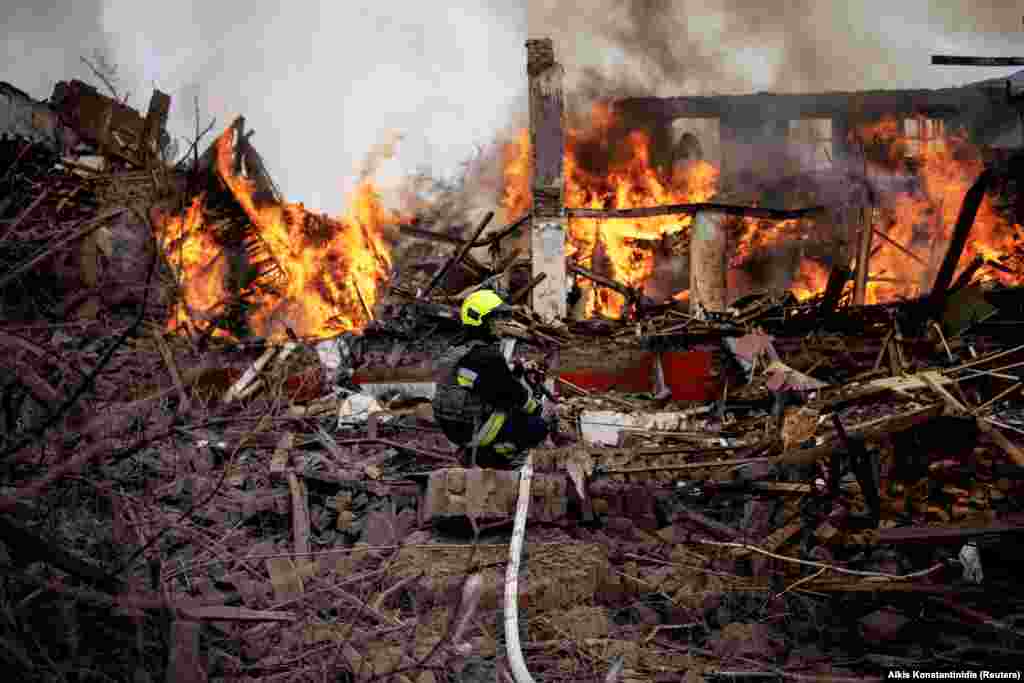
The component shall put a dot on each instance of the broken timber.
(837, 279)
(494, 237)
(860, 283)
(865, 431)
(626, 291)
(547, 140)
(964, 223)
(458, 255)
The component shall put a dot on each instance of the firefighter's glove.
(532, 406)
(524, 368)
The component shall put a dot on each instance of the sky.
(322, 83)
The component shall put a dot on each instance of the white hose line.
(512, 645)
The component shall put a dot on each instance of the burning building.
(898, 161)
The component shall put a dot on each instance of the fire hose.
(512, 645)
(513, 648)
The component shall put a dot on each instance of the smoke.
(702, 47)
(41, 39)
(325, 85)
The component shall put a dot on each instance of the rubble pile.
(201, 484)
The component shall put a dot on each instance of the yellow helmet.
(479, 305)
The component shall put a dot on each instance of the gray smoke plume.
(43, 41)
(612, 48)
(323, 84)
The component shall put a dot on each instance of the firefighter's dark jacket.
(495, 383)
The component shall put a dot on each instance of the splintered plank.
(300, 521)
(226, 613)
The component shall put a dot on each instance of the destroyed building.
(80, 121)
(726, 126)
(236, 474)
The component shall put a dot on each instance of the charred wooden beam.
(968, 273)
(864, 254)
(496, 236)
(955, 60)
(547, 141)
(837, 279)
(458, 255)
(626, 291)
(504, 232)
(669, 209)
(964, 223)
(431, 235)
(938, 535)
(155, 123)
(524, 291)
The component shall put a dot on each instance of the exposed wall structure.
(547, 140)
(982, 108)
(764, 137)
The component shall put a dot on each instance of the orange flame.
(326, 271)
(921, 221)
(630, 181)
(810, 280)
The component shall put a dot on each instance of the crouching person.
(480, 404)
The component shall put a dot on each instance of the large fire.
(919, 220)
(324, 272)
(629, 181)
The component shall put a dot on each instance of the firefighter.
(481, 404)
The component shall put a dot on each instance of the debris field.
(220, 460)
